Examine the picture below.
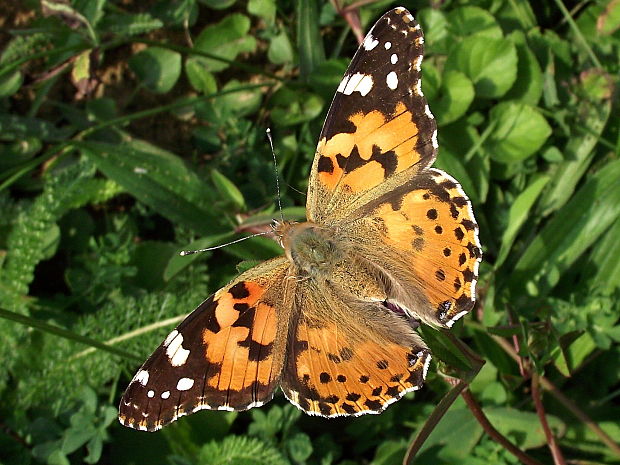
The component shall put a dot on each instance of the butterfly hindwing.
(350, 357)
(378, 125)
(227, 354)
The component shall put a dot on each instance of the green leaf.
(309, 40)
(159, 180)
(228, 190)
(518, 132)
(455, 96)
(218, 4)
(572, 230)
(157, 68)
(472, 20)
(10, 83)
(528, 87)
(523, 427)
(294, 107)
(280, 49)
(240, 450)
(519, 212)
(227, 39)
(299, 447)
(491, 64)
(578, 153)
(199, 77)
(265, 9)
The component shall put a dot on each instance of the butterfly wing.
(349, 357)
(227, 354)
(378, 127)
(426, 241)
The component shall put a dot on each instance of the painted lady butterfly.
(390, 242)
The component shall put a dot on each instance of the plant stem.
(492, 432)
(558, 458)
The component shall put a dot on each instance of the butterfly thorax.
(311, 248)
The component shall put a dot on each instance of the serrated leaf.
(518, 132)
(490, 63)
(157, 68)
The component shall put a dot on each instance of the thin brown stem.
(432, 421)
(565, 401)
(558, 458)
(493, 433)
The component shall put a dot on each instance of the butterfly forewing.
(379, 123)
(227, 354)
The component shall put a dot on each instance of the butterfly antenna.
(215, 247)
(275, 167)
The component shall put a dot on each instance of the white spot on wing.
(343, 83)
(418, 88)
(165, 394)
(434, 139)
(370, 42)
(394, 58)
(427, 110)
(392, 80)
(177, 355)
(142, 377)
(388, 45)
(170, 337)
(359, 82)
(417, 63)
(184, 384)
(150, 394)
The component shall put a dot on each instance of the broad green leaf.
(518, 132)
(266, 9)
(519, 212)
(242, 102)
(436, 29)
(157, 68)
(199, 77)
(299, 446)
(523, 427)
(294, 107)
(578, 153)
(309, 40)
(453, 165)
(456, 434)
(227, 39)
(490, 63)
(571, 231)
(472, 20)
(570, 359)
(10, 83)
(390, 452)
(228, 190)
(604, 259)
(159, 180)
(280, 50)
(609, 21)
(528, 87)
(455, 96)
(218, 4)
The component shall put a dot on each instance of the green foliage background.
(132, 130)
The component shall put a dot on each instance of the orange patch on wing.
(241, 348)
(338, 376)
(397, 133)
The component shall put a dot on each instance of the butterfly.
(389, 243)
